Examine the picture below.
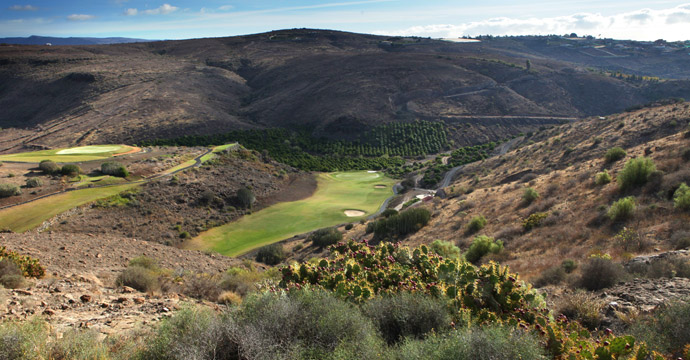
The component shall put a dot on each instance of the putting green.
(336, 193)
(91, 149)
(75, 154)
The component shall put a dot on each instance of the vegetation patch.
(622, 209)
(482, 245)
(635, 173)
(614, 154)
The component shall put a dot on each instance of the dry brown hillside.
(335, 83)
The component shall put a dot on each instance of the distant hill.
(334, 84)
(43, 40)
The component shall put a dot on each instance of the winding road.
(500, 150)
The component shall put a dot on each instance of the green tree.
(246, 198)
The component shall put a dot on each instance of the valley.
(318, 194)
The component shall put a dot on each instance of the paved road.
(197, 163)
(396, 189)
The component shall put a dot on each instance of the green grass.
(83, 153)
(28, 216)
(98, 181)
(216, 149)
(220, 148)
(336, 193)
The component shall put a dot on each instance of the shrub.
(12, 281)
(229, 298)
(272, 254)
(243, 281)
(325, 237)
(686, 154)
(407, 315)
(7, 190)
(635, 173)
(584, 307)
(139, 278)
(529, 195)
(192, 333)
(534, 220)
(29, 267)
(34, 182)
(304, 325)
(569, 265)
(666, 267)
(667, 329)
(482, 245)
(622, 209)
(602, 178)
(389, 212)
(70, 170)
(551, 276)
(114, 168)
(202, 286)
(185, 235)
(476, 343)
(599, 273)
(476, 223)
(445, 249)
(630, 240)
(49, 167)
(246, 198)
(681, 198)
(614, 154)
(680, 240)
(349, 227)
(10, 274)
(401, 224)
(145, 262)
(79, 344)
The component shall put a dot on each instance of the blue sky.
(181, 19)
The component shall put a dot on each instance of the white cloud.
(647, 24)
(161, 10)
(23, 8)
(226, 7)
(80, 17)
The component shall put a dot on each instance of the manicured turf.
(336, 193)
(77, 154)
(28, 216)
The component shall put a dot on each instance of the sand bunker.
(354, 213)
(379, 186)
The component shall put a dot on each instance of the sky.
(184, 19)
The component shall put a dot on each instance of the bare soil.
(79, 290)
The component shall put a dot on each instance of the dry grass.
(577, 224)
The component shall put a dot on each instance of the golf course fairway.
(75, 154)
(30, 215)
(335, 194)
